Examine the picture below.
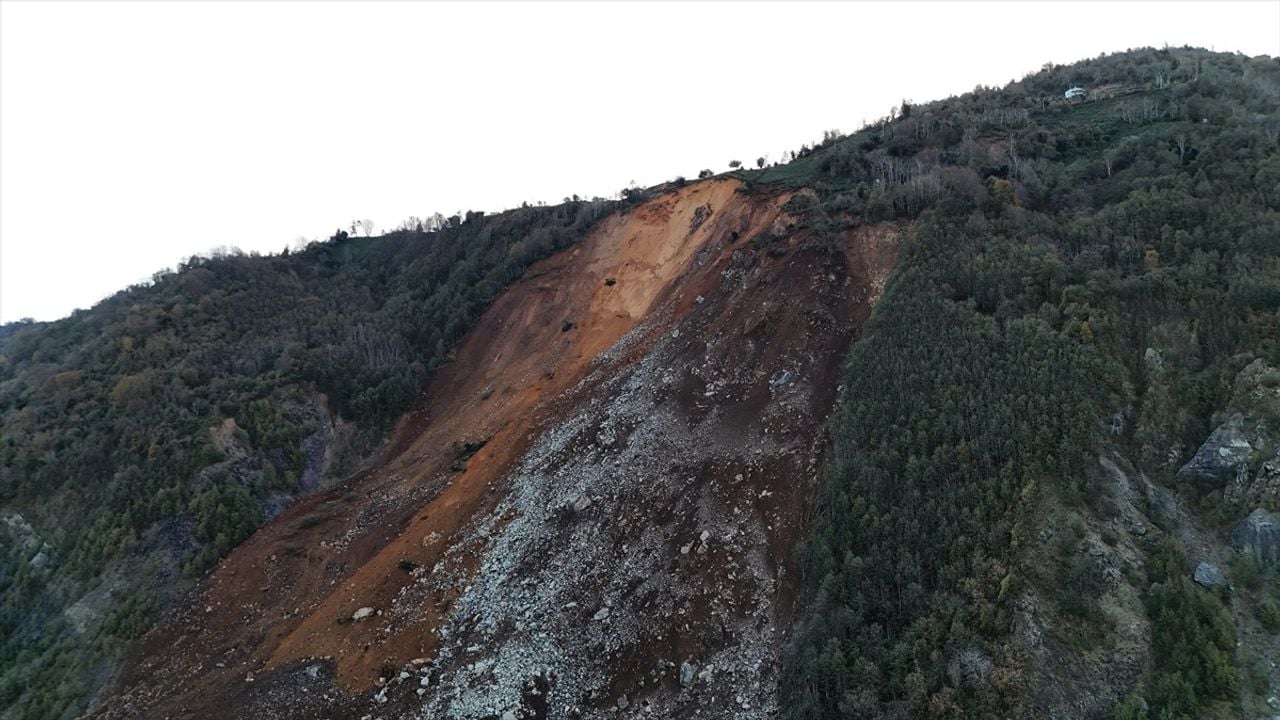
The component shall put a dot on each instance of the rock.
(580, 503)
(1258, 535)
(1219, 456)
(508, 715)
(362, 613)
(43, 559)
(601, 614)
(781, 381)
(1264, 489)
(1112, 576)
(1116, 423)
(1208, 575)
(687, 671)
(1267, 480)
(623, 703)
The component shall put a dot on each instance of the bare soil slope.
(593, 507)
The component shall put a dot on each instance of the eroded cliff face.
(593, 508)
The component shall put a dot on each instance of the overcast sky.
(134, 135)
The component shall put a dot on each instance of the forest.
(1054, 243)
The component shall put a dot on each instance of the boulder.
(687, 671)
(1221, 454)
(1258, 535)
(43, 559)
(362, 613)
(1208, 575)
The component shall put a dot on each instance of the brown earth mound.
(593, 508)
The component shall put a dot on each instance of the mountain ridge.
(1076, 290)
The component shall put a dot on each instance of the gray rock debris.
(1258, 535)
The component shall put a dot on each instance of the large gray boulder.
(1221, 455)
(1258, 535)
(1208, 575)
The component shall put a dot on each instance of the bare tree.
(1271, 129)
(1181, 140)
(1015, 164)
(367, 226)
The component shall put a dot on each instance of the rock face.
(1258, 535)
(1209, 575)
(1222, 454)
(1263, 489)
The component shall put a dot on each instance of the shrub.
(1268, 612)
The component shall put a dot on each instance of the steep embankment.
(593, 506)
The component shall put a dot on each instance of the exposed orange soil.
(280, 597)
(519, 357)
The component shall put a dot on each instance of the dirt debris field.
(592, 511)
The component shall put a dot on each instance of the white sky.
(134, 135)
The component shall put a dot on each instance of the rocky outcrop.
(1221, 456)
(1263, 489)
(1258, 535)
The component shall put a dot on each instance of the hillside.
(972, 413)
